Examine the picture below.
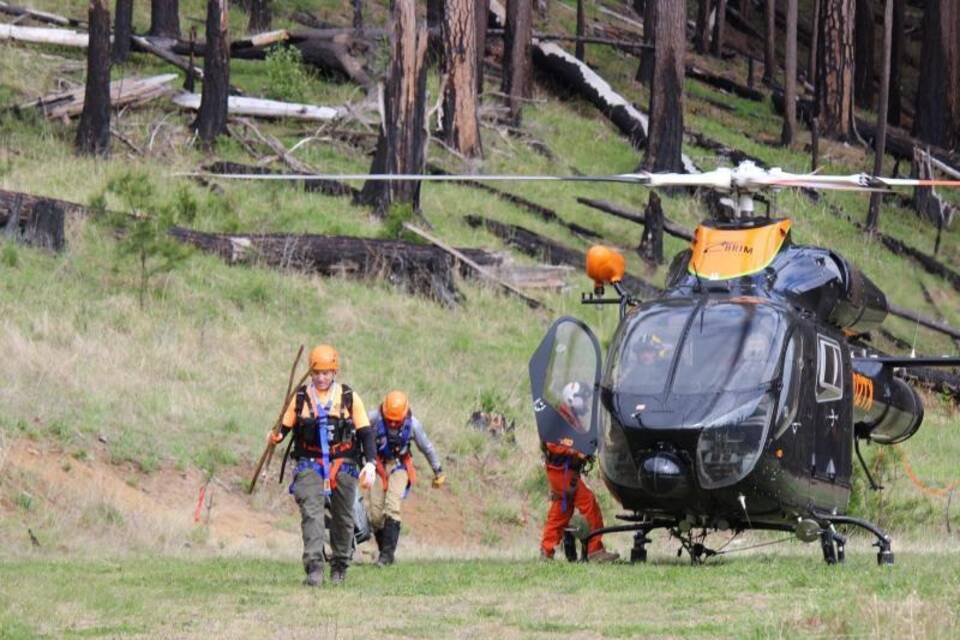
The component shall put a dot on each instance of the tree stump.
(651, 243)
(93, 134)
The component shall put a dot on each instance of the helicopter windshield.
(683, 347)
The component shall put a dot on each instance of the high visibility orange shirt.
(360, 419)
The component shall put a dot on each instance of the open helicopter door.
(565, 380)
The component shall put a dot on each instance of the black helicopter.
(734, 400)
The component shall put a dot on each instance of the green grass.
(760, 596)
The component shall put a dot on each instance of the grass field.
(150, 402)
(760, 596)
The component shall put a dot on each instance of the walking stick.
(267, 454)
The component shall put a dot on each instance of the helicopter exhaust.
(886, 410)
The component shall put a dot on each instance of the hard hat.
(395, 406)
(324, 358)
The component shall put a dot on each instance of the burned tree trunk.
(122, 29)
(651, 243)
(581, 25)
(517, 57)
(873, 213)
(701, 40)
(165, 18)
(896, 62)
(937, 88)
(814, 42)
(261, 16)
(769, 50)
(863, 50)
(461, 122)
(358, 15)
(212, 119)
(719, 26)
(835, 81)
(665, 135)
(401, 146)
(647, 56)
(483, 13)
(790, 78)
(93, 134)
(435, 29)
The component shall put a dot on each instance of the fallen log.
(44, 35)
(551, 252)
(29, 203)
(145, 45)
(125, 92)
(543, 212)
(533, 303)
(41, 16)
(929, 263)
(327, 187)
(237, 47)
(262, 108)
(421, 269)
(723, 83)
(670, 227)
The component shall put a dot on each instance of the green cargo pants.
(308, 492)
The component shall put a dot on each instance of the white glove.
(367, 475)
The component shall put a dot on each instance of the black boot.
(378, 535)
(338, 574)
(391, 535)
(314, 574)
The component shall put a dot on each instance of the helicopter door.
(565, 379)
(833, 422)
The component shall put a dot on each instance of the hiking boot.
(545, 557)
(391, 535)
(314, 575)
(338, 575)
(603, 556)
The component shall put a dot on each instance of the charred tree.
(896, 62)
(647, 55)
(165, 18)
(863, 50)
(790, 78)
(401, 146)
(701, 40)
(814, 42)
(517, 56)
(665, 135)
(122, 30)
(483, 13)
(936, 111)
(651, 242)
(212, 118)
(261, 16)
(769, 50)
(835, 69)
(719, 26)
(873, 214)
(581, 26)
(461, 122)
(435, 28)
(358, 15)
(93, 134)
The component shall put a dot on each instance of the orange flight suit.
(568, 490)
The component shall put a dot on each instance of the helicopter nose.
(663, 474)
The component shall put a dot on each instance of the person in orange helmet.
(568, 489)
(331, 437)
(396, 428)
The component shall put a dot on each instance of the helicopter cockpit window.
(790, 391)
(829, 370)
(729, 347)
(642, 364)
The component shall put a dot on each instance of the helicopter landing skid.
(638, 553)
(884, 551)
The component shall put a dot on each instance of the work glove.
(368, 475)
(438, 480)
(274, 437)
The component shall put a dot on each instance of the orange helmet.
(395, 406)
(324, 358)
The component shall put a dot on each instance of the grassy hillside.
(193, 380)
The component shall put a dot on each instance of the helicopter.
(735, 400)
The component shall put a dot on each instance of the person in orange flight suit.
(568, 489)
